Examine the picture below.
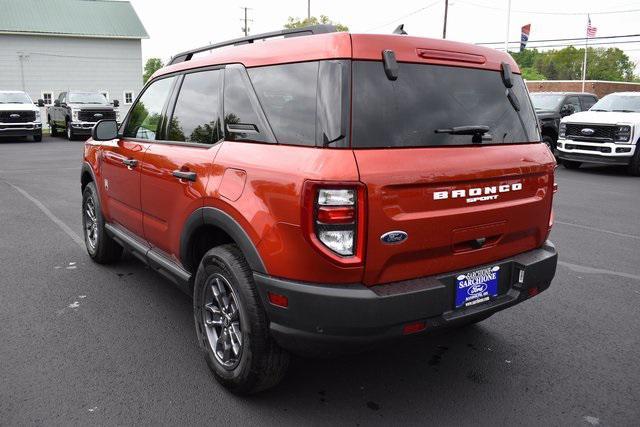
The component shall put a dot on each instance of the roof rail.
(304, 31)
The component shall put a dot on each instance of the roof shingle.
(89, 18)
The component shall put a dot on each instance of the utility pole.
(308, 9)
(246, 20)
(22, 57)
(446, 10)
(506, 37)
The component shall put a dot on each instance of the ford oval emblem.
(587, 131)
(15, 116)
(476, 289)
(394, 237)
(97, 115)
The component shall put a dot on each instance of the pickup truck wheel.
(232, 326)
(547, 139)
(54, 130)
(70, 135)
(569, 164)
(37, 137)
(100, 246)
(634, 166)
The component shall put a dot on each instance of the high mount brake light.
(335, 219)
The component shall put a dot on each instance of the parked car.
(19, 116)
(77, 112)
(608, 134)
(339, 191)
(553, 106)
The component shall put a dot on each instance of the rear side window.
(305, 103)
(406, 112)
(243, 118)
(196, 116)
(145, 115)
(287, 94)
(587, 102)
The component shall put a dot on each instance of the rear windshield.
(406, 112)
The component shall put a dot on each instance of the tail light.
(335, 216)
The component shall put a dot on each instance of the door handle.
(130, 163)
(186, 175)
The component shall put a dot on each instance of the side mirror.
(116, 103)
(56, 103)
(40, 102)
(105, 130)
(567, 110)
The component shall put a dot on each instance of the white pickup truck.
(19, 116)
(609, 134)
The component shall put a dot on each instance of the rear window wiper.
(477, 132)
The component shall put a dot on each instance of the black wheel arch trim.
(224, 221)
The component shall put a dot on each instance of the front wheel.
(547, 139)
(231, 325)
(570, 164)
(100, 246)
(37, 137)
(53, 128)
(70, 135)
(634, 165)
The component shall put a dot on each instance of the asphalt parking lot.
(87, 344)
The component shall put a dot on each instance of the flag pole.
(584, 61)
(506, 38)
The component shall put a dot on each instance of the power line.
(565, 40)
(405, 16)
(533, 12)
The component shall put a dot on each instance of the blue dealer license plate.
(477, 286)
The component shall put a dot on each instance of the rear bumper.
(326, 319)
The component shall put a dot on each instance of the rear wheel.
(100, 246)
(231, 325)
(53, 129)
(548, 139)
(570, 164)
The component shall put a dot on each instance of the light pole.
(446, 11)
(308, 9)
(506, 37)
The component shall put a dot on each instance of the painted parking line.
(601, 230)
(64, 227)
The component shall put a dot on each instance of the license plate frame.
(476, 286)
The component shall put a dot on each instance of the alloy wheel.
(221, 317)
(91, 223)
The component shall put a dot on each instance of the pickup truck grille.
(18, 116)
(602, 133)
(90, 115)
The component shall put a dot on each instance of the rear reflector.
(412, 328)
(278, 300)
(336, 215)
(533, 292)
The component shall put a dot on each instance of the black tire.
(53, 129)
(37, 137)
(634, 165)
(551, 143)
(69, 131)
(570, 164)
(104, 250)
(260, 363)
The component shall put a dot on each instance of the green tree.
(566, 64)
(530, 73)
(299, 23)
(152, 65)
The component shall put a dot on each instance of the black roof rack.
(304, 31)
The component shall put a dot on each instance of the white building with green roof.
(51, 46)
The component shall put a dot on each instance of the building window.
(128, 97)
(105, 94)
(47, 97)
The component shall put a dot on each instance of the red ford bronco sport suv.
(324, 190)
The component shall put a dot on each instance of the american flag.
(591, 30)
